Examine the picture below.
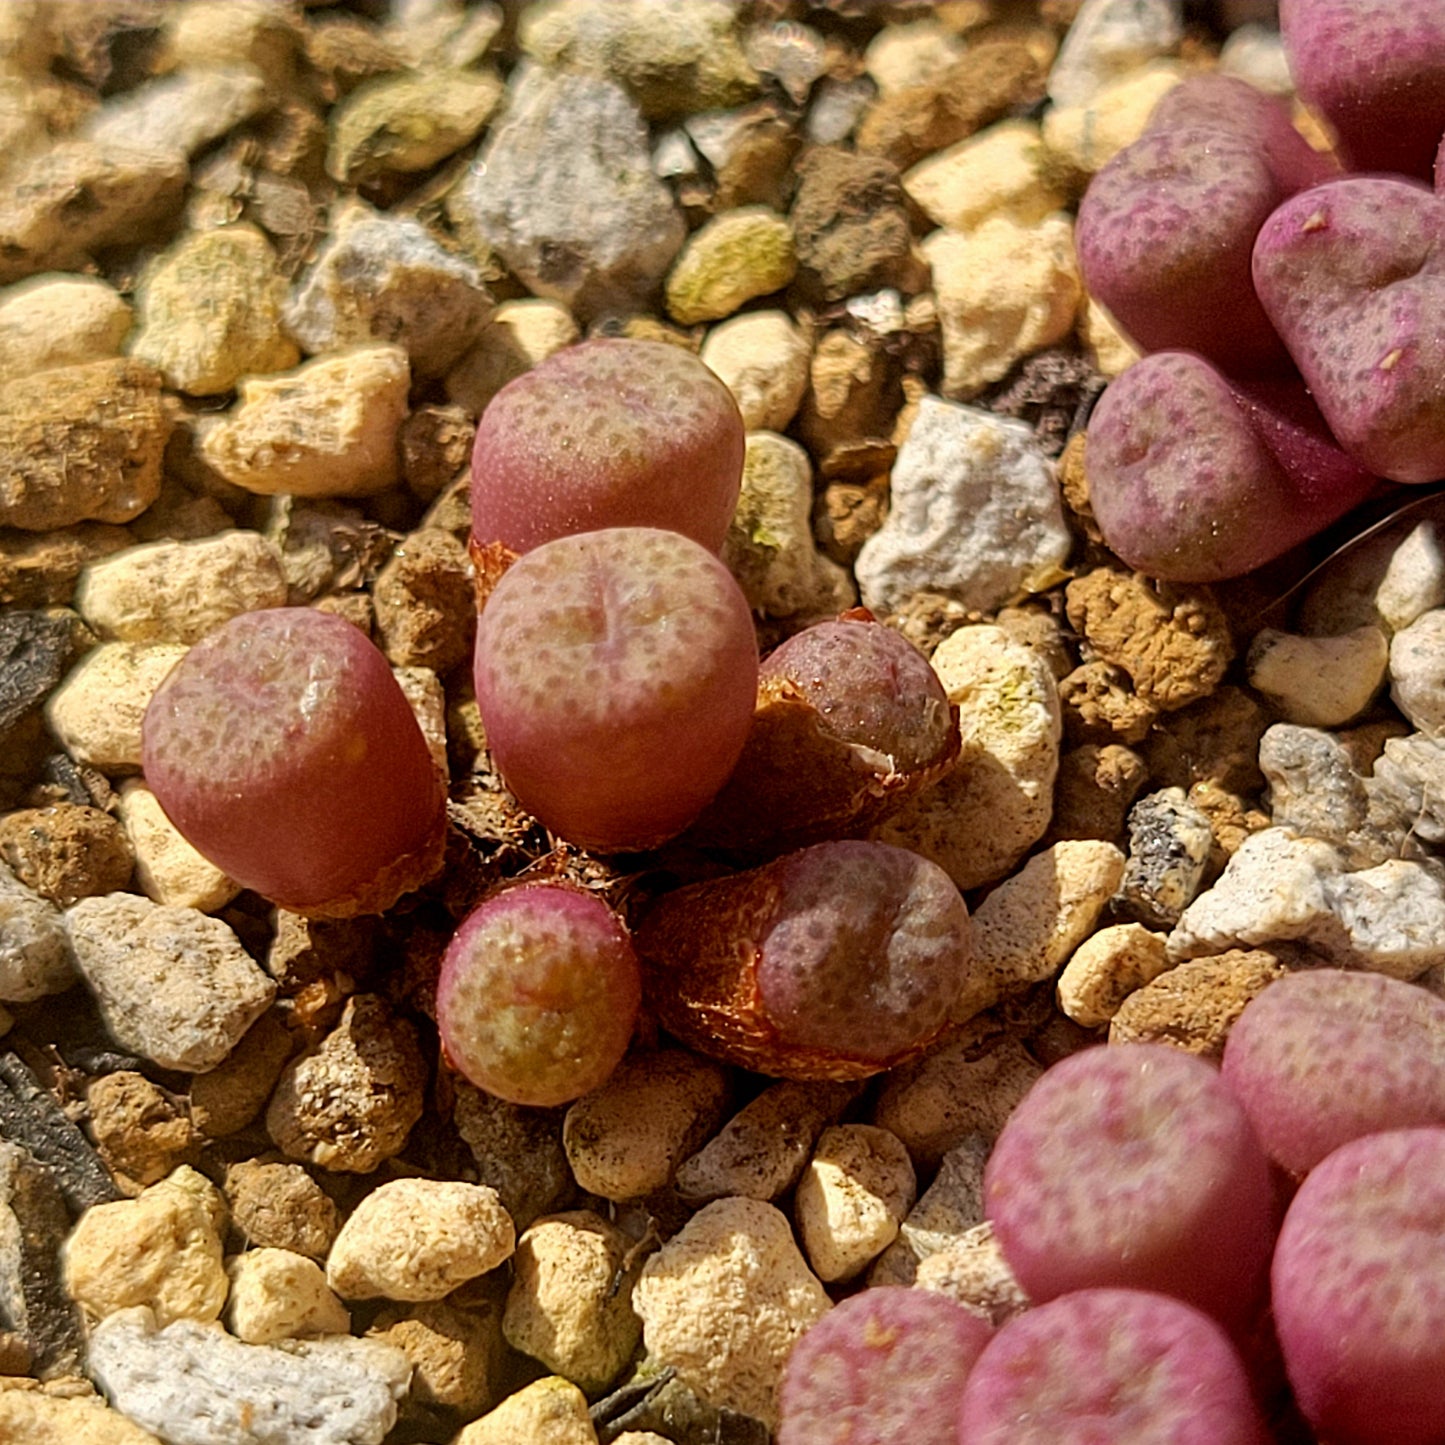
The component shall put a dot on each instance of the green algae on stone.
(733, 259)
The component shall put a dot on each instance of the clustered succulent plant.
(1290, 301)
(1155, 1209)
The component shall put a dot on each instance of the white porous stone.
(179, 591)
(1279, 887)
(171, 984)
(196, 1385)
(327, 429)
(1003, 291)
(946, 1211)
(570, 1304)
(1417, 671)
(60, 320)
(179, 113)
(210, 311)
(1085, 137)
(1109, 39)
(167, 868)
(901, 56)
(762, 358)
(520, 334)
(160, 1251)
(1170, 841)
(725, 1300)
(997, 172)
(760, 1152)
(419, 1239)
(1319, 681)
(1026, 929)
(564, 191)
(278, 1295)
(770, 547)
(975, 514)
(627, 1138)
(387, 278)
(96, 712)
(1106, 968)
(995, 804)
(852, 1198)
(1407, 791)
(1388, 579)
(35, 957)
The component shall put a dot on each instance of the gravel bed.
(263, 263)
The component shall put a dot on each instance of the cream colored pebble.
(1004, 291)
(762, 358)
(328, 428)
(419, 1239)
(1026, 929)
(570, 1302)
(852, 1198)
(179, 591)
(973, 1271)
(161, 1249)
(996, 172)
(60, 320)
(1107, 968)
(551, 1411)
(725, 1300)
(1087, 136)
(96, 712)
(167, 868)
(278, 1295)
(520, 334)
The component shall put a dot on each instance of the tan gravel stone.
(1107, 968)
(1085, 137)
(180, 591)
(210, 311)
(995, 804)
(36, 1419)
(570, 1304)
(278, 1295)
(327, 429)
(961, 1088)
(725, 1300)
(550, 1411)
(1026, 929)
(760, 1152)
(732, 259)
(852, 1198)
(627, 1138)
(161, 1250)
(520, 334)
(1004, 291)
(762, 358)
(456, 1354)
(281, 1206)
(230, 1096)
(60, 320)
(167, 868)
(350, 1102)
(1194, 1006)
(425, 605)
(975, 1273)
(419, 1239)
(140, 1131)
(66, 852)
(998, 172)
(946, 1211)
(96, 712)
(1172, 639)
(81, 443)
